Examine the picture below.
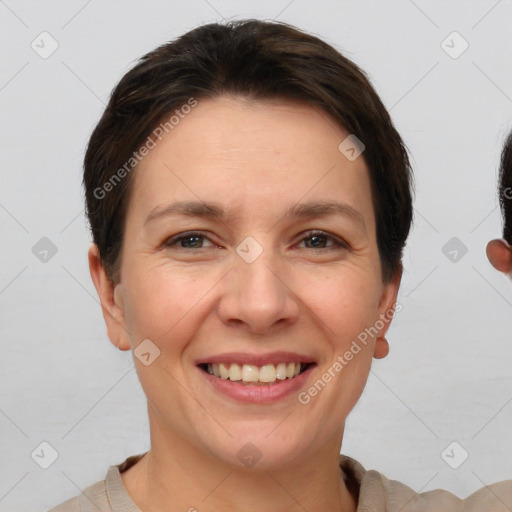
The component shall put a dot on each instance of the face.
(250, 240)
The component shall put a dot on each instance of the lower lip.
(254, 394)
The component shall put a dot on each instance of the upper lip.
(256, 359)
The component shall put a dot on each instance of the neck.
(178, 475)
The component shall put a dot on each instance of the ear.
(386, 309)
(111, 300)
(499, 254)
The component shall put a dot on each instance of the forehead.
(257, 153)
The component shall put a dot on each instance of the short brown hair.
(257, 60)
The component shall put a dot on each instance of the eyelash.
(337, 242)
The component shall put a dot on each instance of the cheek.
(345, 301)
(164, 301)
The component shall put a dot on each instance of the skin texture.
(255, 159)
(499, 253)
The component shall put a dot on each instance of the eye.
(320, 239)
(193, 240)
(313, 240)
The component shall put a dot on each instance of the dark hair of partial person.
(256, 60)
(505, 188)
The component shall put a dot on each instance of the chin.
(259, 450)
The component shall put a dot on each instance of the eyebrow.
(311, 209)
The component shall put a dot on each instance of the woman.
(499, 252)
(249, 201)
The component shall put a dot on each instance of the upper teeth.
(252, 373)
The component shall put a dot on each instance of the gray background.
(448, 376)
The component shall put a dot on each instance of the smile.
(256, 378)
(251, 374)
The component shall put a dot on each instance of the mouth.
(257, 375)
(253, 378)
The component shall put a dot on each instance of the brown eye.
(322, 240)
(187, 241)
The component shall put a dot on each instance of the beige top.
(373, 492)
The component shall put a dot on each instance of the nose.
(259, 296)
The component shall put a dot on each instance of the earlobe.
(499, 254)
(381, 348)
(112, 304)
(387, 308)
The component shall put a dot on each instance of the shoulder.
(71, 505)
(378, 493)
(106, 495)
(94, 494)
